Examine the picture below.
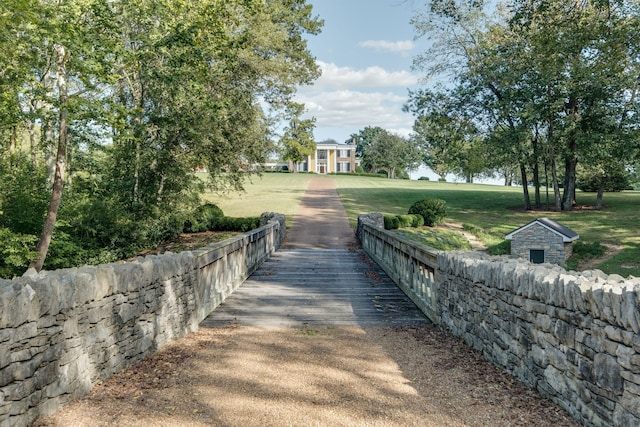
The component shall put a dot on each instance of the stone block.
(624, 355)
(607, 373)
(565, 333)
(16, 305)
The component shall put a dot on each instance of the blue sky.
(365, 52)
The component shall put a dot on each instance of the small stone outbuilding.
(543, 240)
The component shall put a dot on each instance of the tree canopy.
(547, 85)
(118, 102)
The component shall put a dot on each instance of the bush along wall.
(393, 222)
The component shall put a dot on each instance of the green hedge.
(393, 222)
(210, 217)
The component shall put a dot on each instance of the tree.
(147, 91)
(449, 140)
(551, 83)
(298, 139)
(392, 153)
(68, 42)
(363, 140)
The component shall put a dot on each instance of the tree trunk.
(569, 196)
(553, 165)
(61, 154)
(12, 146)
(33, 145)
(546, 181)
(600, 192)
(556, 187)
(525, 187)
(536, 170)
(571, 161)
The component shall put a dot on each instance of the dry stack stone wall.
(574, 337)
(64, 330)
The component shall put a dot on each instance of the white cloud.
(352, 111)
(401, 46)
(336, 77)
(345, 100)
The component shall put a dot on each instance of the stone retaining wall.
(64, 330)
(575, 337)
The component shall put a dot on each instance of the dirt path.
(320, 221)
(313, 375)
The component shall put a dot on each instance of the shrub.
(15, 252)
(405, 221)
(237, 224)
(391, 222)
(502, 248)
(204, 218)
(418, 220)
(432, 211)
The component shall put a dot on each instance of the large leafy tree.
(392, 153)
(297, 141)
(363, 140)
(551, 83)
(449, 141)
(144, 91)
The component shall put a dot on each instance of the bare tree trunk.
(569, 195)
(61, 154)
(525, 187)
(553, 166)
(600, 192)
(536, 169)
(556, 186)
(12, 146)
(33, 145)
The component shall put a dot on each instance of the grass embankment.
(488, 211)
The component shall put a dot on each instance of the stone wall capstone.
(62, 331)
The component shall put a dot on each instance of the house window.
(322, 154)
(343, 153)
(343, 167)
(536, 256)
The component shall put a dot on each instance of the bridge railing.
(413, 267)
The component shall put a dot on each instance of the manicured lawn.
(271, 192)
(495, 210)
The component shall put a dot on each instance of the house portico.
(330, 157)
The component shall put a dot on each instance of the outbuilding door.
(536, 256)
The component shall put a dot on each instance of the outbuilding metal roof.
(567, 234)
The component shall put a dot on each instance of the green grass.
(271, 192)
(487, 211)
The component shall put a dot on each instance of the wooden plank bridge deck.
(319, 276)
(298, 287)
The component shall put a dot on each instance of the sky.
(365, 52)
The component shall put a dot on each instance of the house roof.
(567, 234)
(336, 145)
